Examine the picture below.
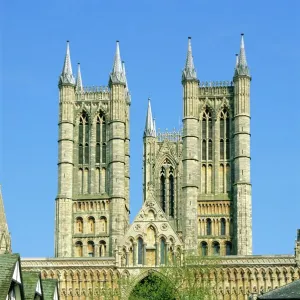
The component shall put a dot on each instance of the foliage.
(187, 281)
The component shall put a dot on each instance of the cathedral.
(196, 188)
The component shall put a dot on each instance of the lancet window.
(224, 135)
(163, 189)
(167, 188)
(171, 193)
(208, 227)
(207, 135)
(83, 139)
(162, 251)
(140, 251)
(101, 139)
(223, 226)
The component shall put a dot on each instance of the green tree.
(189, 280)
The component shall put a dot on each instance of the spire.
(150, 129)
(189, 72)
(117, 74)
(66, 76)
(241, 66)
(79, 87)
(5, 244)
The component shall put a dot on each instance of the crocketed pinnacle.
(242, 67)
(66, 76)
(5, 242)
(79, 86)
(150, 130)
(117, 75)
(189, 72)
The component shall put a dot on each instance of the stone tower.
(92, 205)
(5, 240)
(241, 156)
(190, 152)
(209, 163)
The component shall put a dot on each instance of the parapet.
(216, 88)
(93, 93)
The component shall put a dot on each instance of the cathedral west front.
(196, 188)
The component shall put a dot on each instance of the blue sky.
(153, 40)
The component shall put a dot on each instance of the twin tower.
(200, 177)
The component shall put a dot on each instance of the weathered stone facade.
(197, 189)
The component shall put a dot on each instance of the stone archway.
(153, 287)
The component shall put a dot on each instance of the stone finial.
(241, 63)
(5, 241)
(66, 76)
(189, 72)
(117, 75)
(150, 130)
(79, 86)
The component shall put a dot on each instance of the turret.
(241, 156)
(127, 137)
(5, 241)
(190, 158)
(63, 243)
(117, 126)
(149, 151)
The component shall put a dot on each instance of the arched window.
(103, 225)
(78, 247)
(101, 138)
(203, 248)
(91, 249)
(163, 190)
(171, 195)
(228, 248)
(162, 251)
(223, 226)
(91, 224)
(102, 248)
(216, 248)
(208, 227)
(83, 139)
(79, 225)
(140, 251)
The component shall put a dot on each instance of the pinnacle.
(241, 61)
(66, 76)
(117, 74)
(150, 129)
(79, 86)
(189, 72)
